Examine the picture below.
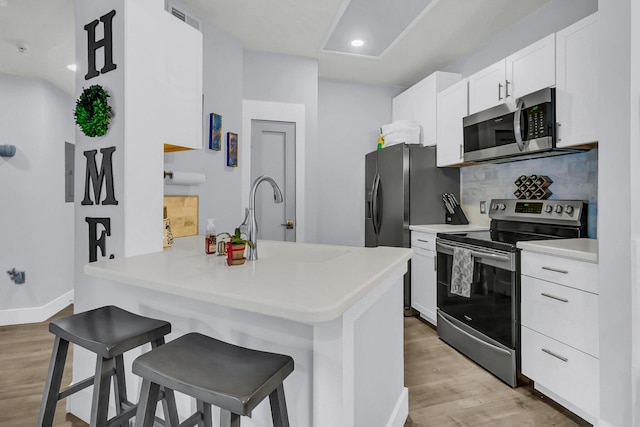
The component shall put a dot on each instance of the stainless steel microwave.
(518, 129)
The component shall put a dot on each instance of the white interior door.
(273, 154)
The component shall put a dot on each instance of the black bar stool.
(109, 332)
(235, 379)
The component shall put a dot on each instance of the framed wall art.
(215, 131)
(232, 149)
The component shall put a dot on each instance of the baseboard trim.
(18, 316)
(401, 411)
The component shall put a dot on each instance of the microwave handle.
(517, 126)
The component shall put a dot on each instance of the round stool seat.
(225, 375)
(109, 331)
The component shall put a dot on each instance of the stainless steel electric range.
(484, 322)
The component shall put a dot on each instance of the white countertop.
(580, 249)
(297, 281)
(447, 228)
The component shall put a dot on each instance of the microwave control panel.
(537, 119)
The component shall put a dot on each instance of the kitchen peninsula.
(336, 310)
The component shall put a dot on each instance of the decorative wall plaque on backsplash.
(532, 187)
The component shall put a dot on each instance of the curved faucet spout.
(277, 194)
(251, 221)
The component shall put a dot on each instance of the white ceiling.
(448, 30)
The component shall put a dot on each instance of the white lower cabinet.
(559, 330)
(423, 275)
(569, 315)
(567, 375)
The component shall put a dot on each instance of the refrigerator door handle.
(376, 205)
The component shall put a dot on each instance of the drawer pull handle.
(423, 241)
(554, 297)
(564, 359)
(555, 270)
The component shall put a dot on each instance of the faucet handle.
(244, 227)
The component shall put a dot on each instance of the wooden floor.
(445, 388)
(25, 351)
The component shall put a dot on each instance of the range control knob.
(549, 209)
(494, 206)
(559, 209)
(568, 209)
(502, 206)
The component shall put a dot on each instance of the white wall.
(290, 79)
(349, 118)
(36, 225)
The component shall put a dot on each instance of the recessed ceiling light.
(72, 67)
(357, 43)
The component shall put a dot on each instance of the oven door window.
(490, 309)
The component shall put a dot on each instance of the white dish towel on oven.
(462, 272)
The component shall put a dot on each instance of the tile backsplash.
(575, 176)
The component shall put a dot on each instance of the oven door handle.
(477, 254)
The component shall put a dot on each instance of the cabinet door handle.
(461, 152)
(555, 270)
(564, 359)
(554, 297)
(506, 88)
(499, 91)
(435, 264)
(558, 131)
(423, 241)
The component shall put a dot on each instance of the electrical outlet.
(483, 207)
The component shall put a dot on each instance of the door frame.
(279, 112)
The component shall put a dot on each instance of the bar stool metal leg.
(279, 407)
(54, 379)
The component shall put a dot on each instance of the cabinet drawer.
(570, 374)
(565, 314)
(568, 272)
(423, 240)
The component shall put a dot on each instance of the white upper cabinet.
(419, 103)
(526, 71)
(577, 83)
(183, 83)
(487, 87)
(452, 108)
(532, 68)
(163, 76)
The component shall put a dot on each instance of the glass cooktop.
(504, 235)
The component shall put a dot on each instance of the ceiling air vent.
(181, 15)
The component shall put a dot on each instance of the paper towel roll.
(185, 178)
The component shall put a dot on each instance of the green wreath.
(93, 111)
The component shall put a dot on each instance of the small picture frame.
(232, 149)
(215, 132)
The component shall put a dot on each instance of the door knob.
(288, 224)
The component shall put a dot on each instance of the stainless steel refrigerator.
(403, 186)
